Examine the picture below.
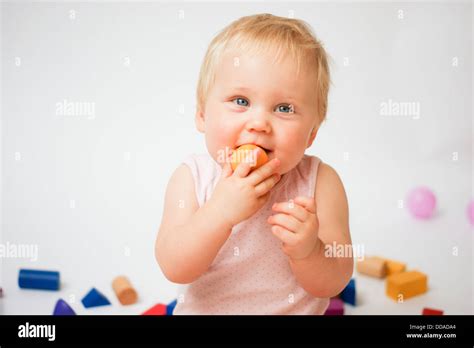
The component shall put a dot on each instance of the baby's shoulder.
(201, 165)
(205, 172)
(328, 184)
(327, 175)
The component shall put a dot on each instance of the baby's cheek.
(291, 151)
(217, 139)
(222, 139)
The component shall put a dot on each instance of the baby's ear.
(199, 120)
(312, 136)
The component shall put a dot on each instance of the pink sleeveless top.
(250, 274)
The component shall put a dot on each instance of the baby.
(253, 241)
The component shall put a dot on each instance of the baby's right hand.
(238, 195)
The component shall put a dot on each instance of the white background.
(88, 191)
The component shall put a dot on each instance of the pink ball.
(470, 212)
(421, 202)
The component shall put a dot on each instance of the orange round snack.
(244, 153)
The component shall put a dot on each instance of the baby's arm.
(318, 274)
(189, 237)
(307, 225)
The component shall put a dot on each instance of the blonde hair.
(260, 33)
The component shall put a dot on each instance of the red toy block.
(432, 311)
(158, 309)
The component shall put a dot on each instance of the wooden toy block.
(432, 311)
(336, 307)
(372, 266)
(94, 299)
(158, 309)
(348, 295)
(39, 280)
(124, 290)
(406, 284)
(394, 267)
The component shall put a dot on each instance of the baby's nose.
(259, 123)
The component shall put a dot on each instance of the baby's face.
(255, 101)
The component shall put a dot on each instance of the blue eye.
(241, 101)
(286, 108)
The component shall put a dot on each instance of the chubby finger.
(307, 202)
(296, 210)
(260, 174)
(243, 169)
(286, 221)
(226, 170)
(266, 185)
(284, 235)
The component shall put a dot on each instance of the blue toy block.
(170, 307)
(348, 295)
(94, 299)
(62, 308)
(42, 280)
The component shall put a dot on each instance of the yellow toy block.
(394, 267)
(373, 266)
(406, 284)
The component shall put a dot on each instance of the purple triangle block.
(336, 307)
(62, 308)
(94, 299)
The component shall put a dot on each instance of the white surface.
(115, 166)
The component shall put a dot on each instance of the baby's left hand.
(296, 225)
